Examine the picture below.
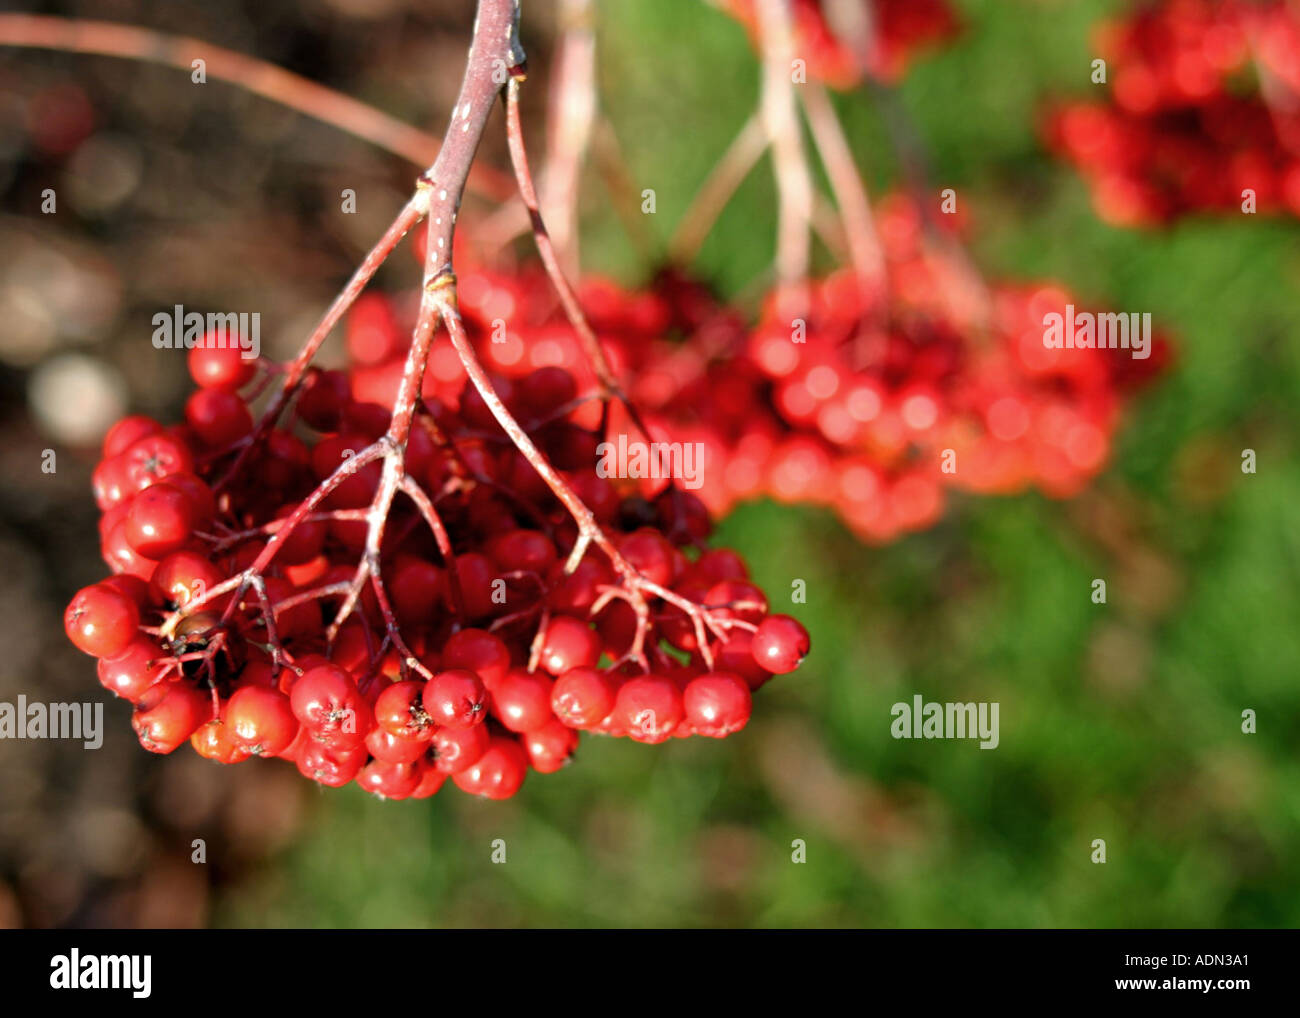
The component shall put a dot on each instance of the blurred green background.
(1119, 721)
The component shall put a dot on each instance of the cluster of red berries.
(842, 43)
(1204, 106)
(872, 403)
(513, 651)
(875, 402)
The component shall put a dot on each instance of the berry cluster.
(875, 402)
(237, 617)
(843, 43)
(871, 402)
(1204, 106)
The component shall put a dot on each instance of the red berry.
(522, 550)
(415, 591)
(389, 780)
(110, 482)
(550, 747)
(173, 719)
(546, 390)
(132, 586)
(454, 749)
(649, 708)
(160, 520)
(569, 643)
(498, 773)
(650, 554)
(127, 432)
(133, 670)
(574, 593)
(259, 672)
(522, 700)
(184, 576)
(384, 745)
(152, 458)
(219, 363)
(780, 643)
(101, 621)
(203, 504)
(357, 488)
(736, 655)
(477, 576)
(214, 740)
(262, 720)
(583, 697)
(431, 779)
(456, 698)
(400, 711)
(327, 700)
(474, 410)
(329, 765)
(717, 704)
(683, 517)
(719, 564)
(296, 622)
(617, 625)
(737, 599)
(322, 399)
(478, 651)
(218, 417)
(303, 543)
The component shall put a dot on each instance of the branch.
(494, 55)
(104, 38)
(723, 182)
(781, 120)
(846, 182)
(573, 109)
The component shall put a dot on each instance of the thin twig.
(850, 193)
(105, 38)
(789, 161)
(722, 183)
(573, 110)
